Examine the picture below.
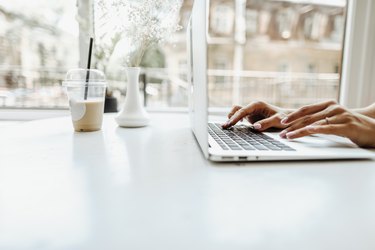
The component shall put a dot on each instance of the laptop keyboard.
(244, 138)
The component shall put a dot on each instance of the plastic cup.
(86, 92)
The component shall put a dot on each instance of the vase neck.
(133, 70)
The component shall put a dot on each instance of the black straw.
(88, 68)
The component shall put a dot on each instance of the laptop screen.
(197, 62)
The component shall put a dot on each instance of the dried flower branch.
(146, 22)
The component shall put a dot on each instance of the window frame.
(358, 66)
(86, 29)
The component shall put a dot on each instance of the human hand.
(330, 118)
(262, 115)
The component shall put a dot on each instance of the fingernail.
(290, 135)
(226, 124)
(283, 133)
(257, 126)
(284, 120)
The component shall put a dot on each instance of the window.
(251, 21)
(290, 56)
(222, 18)
(311, 68)
(164, 66)
(38, 42)
(220, 64)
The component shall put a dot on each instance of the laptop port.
(227, 158)
(242, 158)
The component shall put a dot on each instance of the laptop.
(241, 143)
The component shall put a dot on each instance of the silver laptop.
(241, 143)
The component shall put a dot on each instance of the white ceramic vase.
(133, 114)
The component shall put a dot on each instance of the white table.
(151, 188)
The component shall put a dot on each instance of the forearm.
(367, 111)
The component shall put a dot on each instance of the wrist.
(360, 111)
(367, 111)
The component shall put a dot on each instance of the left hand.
(330, 118)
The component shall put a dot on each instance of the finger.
(308, 120)
(306, 110)
(273, 121)
(333, 129)
(233, 111)
(230, 114)
(337, 119)
(323, 122)
(243, 112)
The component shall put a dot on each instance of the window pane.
(38, 41)
(285, 52)
(163, 66)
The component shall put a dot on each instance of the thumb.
(273, 121)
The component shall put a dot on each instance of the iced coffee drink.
(87, 115)
(86, 93)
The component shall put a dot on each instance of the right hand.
(330, 118)
(262, 115)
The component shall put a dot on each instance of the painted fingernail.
(283, 133)
(257, 126)
(284, 120)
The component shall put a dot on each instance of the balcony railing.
(163, 88)
(227, 87)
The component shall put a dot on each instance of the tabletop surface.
(151, 188)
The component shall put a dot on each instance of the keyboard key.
(236, 148)
(241, 137)
(248, 147)
(275, 148)
(260, 147)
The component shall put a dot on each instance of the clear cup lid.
(77, 77)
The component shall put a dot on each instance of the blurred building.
(276, 35)
(28, 43)
(285, 52)
(34, 54)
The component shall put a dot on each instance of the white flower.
(142, 22)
